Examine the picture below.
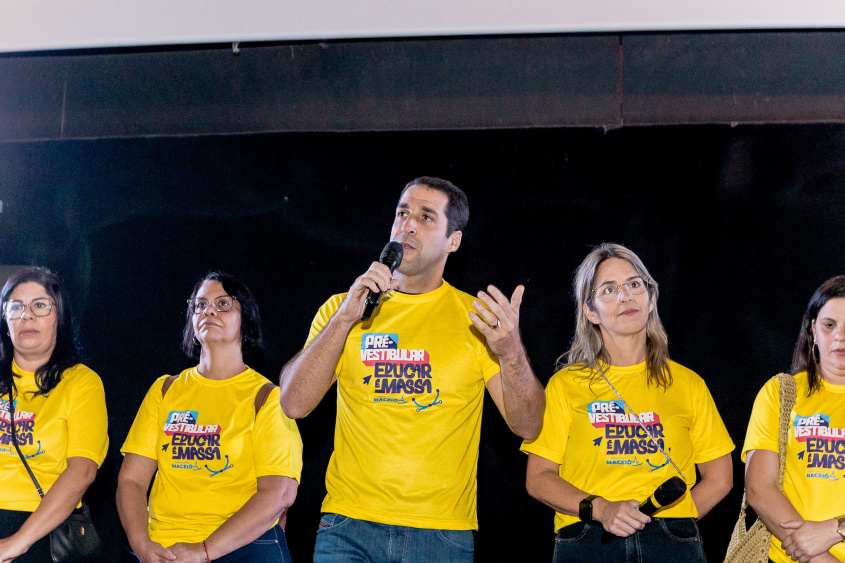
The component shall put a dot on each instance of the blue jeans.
(664, 540)
(269, 548)
(340, 538)
(272, 547)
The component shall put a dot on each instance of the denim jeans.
(272, 547)
(340, 538)
(664, 540)
(269, 548)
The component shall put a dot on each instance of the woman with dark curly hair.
(806, 518)
(226, 461)
(60, 419)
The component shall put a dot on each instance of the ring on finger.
(498, 324)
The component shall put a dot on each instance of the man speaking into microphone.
(411, 377)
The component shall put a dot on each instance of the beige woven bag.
(752, 545)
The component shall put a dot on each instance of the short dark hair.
(805, 357)
(457, 206)
(66, 353)
(251, 339)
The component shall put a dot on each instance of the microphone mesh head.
(670, 491)
(391, 256)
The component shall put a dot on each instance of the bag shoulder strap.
(167, 383)
(787, 403)
(261, 396)
(18, 448)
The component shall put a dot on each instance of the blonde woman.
(621, 419)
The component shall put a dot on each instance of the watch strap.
(585, 510)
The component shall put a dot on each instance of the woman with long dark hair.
(806, 517)
(621, 419)
(226, 460)
(60, 419)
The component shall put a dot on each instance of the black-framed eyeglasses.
(610, 292)
(221, 304)
(15, 309)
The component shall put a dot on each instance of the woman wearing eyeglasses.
(226, 460)
(806, 517)
(60, 420)
(621, 419)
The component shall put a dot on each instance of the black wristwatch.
(585, 510)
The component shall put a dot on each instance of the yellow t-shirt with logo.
(411, 386)
(211, 448)
(603, 451)
(815, 451)
(71, 421)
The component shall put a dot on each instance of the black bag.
(75, 540)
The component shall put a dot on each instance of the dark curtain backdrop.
(738, 225)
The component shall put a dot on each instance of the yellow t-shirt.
(210, 448)
(70, 421)
(602, 450)
(815, 451)
(411, 386)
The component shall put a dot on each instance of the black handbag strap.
(18, 449)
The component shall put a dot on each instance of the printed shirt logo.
(397, 371)
(191, 442)
(825, 445)
(624, 437)
(24, 430)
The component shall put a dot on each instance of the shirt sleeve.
(488, 363)
(321, 319)
(143, 434)
(709, 437)
(764, 426)
(487, 359)
(277, 445)
(87, 422)
(553, 438)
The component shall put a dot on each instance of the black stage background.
(738, 225)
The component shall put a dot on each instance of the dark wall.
(738, 225)
(595, 80)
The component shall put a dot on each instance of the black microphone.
(668, 492)
(391, 257)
